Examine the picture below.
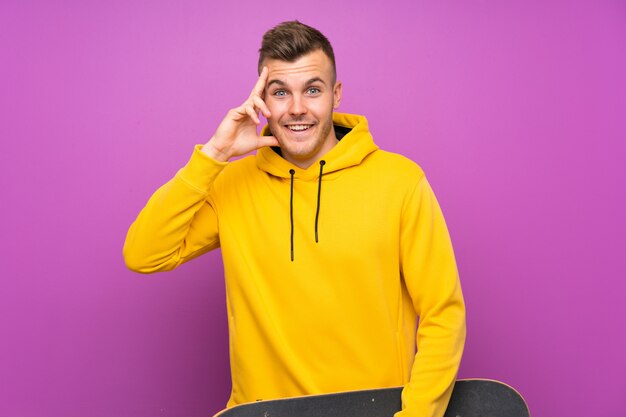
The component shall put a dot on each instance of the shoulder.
(396, 164)
(241, 166)
(237, 172)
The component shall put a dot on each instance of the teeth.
(298, 127)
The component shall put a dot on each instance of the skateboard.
(470, 398)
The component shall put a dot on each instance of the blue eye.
(279, 93)
(313, 90)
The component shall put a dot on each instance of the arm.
(179, 221)
(429, 270)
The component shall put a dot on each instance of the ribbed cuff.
(201, 170)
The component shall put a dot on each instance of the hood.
(355, 143)
(352, 148)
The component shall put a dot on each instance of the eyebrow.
(282, 83)
(315, 80)
(279, 82)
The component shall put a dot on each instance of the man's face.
(301, 97)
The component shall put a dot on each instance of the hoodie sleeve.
(430, 273)
(179, 222)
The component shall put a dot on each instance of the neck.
(304, 163)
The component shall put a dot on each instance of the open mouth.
(299, 127)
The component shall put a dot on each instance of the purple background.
(516, 110)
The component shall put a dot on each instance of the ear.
(337, 95)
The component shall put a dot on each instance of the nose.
(297, 106)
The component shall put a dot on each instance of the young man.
(332, 248)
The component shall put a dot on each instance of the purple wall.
(515, 111)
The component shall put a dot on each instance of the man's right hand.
(237, 133)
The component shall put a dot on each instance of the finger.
(252, 113)
(238, 113)
(260, 104)
(259, 87)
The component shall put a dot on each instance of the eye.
(279, 93)
(313, 90)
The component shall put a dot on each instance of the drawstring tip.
(292, 256)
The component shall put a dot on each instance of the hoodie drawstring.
(292, 172)
(319, 196)
(317, 210)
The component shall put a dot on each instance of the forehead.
(312, 65)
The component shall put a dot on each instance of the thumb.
(267, 141)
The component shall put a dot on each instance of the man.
(332, 248)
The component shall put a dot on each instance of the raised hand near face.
(237, 133)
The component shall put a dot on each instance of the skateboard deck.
(470, 398)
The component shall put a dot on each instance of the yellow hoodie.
(336, 314)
